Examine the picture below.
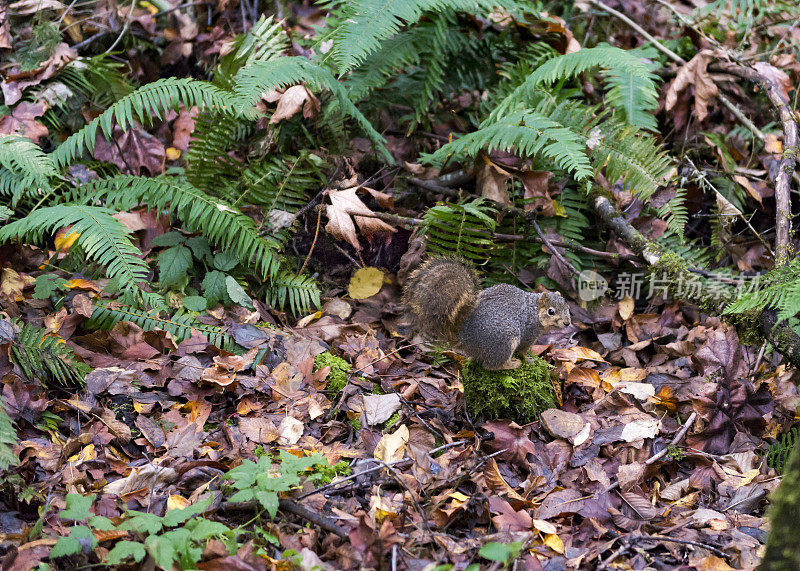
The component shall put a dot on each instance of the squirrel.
(489, 325)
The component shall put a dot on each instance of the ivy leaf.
(214, 289)
(124, 550)
(101, 522)
(177, 517)
(162, 550)
(199, 246)
(174, 264)
(203, 528)
(225, 262)
(237, 293)
(500, 552)
(77, 508)
(195, 303)
(269, 500)
(144, 523)
(243, 496)
(168, 240)
(47, 285)
(80, 540)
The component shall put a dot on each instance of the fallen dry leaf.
(344, 204)
(694, 73)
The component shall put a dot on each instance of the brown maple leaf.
(695, 73)
(346, 206)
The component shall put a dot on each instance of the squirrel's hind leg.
(502, 356)
(524, 353)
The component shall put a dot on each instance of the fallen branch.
(292, 507)
(783, 206)
(781, 336)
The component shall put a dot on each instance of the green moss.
(325, 473)
(520, 394)
(392, 420)
(355, 423)
(783, 549)
(337, 378)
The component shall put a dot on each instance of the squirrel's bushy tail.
(441, 293)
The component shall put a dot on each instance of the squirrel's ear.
(544, 300)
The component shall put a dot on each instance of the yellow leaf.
(544, 526)
(560, 210)
(632, 375)
(65, 239)
(176, 502)
(625, 307)
(79, 283)
(554, 542)
(365, 283)
(772, 144)
(392, 447)
(86, 454)
(308, 319)
(588, 354)
(12, 284)
(173, 153)
(149, 7)
(747, 477)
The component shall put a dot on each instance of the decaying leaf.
(345, 207)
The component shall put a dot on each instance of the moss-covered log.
(783, 547)
(672, 270)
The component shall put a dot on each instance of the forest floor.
(661, 455)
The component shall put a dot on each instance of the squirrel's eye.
(551, 311)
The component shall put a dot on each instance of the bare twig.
(124, 28)
(617, 553)
(293, 507)
(656, 457)
(327, 487)
(636, 27)
(314, 243)
(711, 548)
(783, 207)
(552, 249)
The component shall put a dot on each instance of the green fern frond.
(8, 440)
(154, 99)
(574, 138)
(108, 314)
(24, 167)
(628, 72)
(636, 97)
(266, 40)
(260, 76)
(777, 454)
(302, 292)
(100, 236)
(222, 224)
(366, 24)
(528, 133)
(282, 184)
(45, 356)
(208, 158)
(675, 212)
(398, 53)
(623, 151)
(463, 229)
(779, 290)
